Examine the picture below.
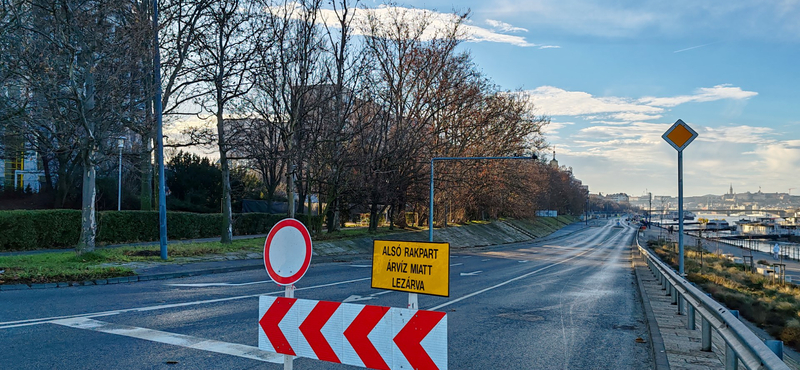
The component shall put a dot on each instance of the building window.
(19, 162)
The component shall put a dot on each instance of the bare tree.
(82, 85)
(288, 85)
(411, 53)
(224, 65)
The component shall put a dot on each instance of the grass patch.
(349, 233)
(56, 267)
(773, 307)
(67, 266)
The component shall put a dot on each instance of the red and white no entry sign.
(287, 251)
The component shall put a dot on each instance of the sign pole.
(679, 136)
(288, 360)
(680, 213)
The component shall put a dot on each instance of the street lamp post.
(412, 297)
(120, 145)
(430, 209)
(158, 111)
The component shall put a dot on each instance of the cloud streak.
(554, 101)
(504, 27)
(438, 23)
(692, 48)
(703, 94)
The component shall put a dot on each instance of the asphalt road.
(568, 302)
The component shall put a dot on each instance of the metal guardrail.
(740, 343)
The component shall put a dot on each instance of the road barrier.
(740, 343)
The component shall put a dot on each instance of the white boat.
(717, 225)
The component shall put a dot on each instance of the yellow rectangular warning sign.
(414, 267)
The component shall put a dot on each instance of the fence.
(740, 343)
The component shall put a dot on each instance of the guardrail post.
(776, 346)
(731, 361)
(690, 319)
(674, 296)
(706, 336)
(680, 304)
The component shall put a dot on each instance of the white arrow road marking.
(523, 261)
(233, 349)
(356, 298)
(456, 264)
(471, 273)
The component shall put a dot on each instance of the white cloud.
(613, 110)
(504, 27)
(554, 127)
(439, 22)
(703, 94)
(559, 102)
(737, 134)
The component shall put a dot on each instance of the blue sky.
(614, 75)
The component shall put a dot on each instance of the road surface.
(566, 302)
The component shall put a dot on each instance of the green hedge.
(46, 229)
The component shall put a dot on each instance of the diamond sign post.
(680, 135)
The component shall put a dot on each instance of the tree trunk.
(373, 217)
(88, 215)
(146, 170)
(227, 214)
(62, 184)
(301, 190)
(48, 176)
(331, 214)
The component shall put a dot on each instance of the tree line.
(332, 98)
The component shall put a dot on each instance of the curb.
(131, 279)
(659, 351)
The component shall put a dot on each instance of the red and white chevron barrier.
(369, 336)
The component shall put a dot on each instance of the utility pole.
(162, 194)
(649, 208)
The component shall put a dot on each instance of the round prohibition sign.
(287, 251)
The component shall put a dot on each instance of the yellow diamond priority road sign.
(680, 135)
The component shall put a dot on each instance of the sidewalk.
(681, 345)
(674, 346)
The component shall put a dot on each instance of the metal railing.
(740, 343)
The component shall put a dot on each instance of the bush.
(46, 229)
(41, 229)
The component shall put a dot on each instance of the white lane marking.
(356, 298)
(44, 320)
(455, 264)
(466, 256)
(523, 261)
(203, 285)
(471, 273)
(485, 259)
(233, 349)
(361, 266)
(509, 281)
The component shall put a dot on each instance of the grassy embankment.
(771, 306)
(67, 266)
